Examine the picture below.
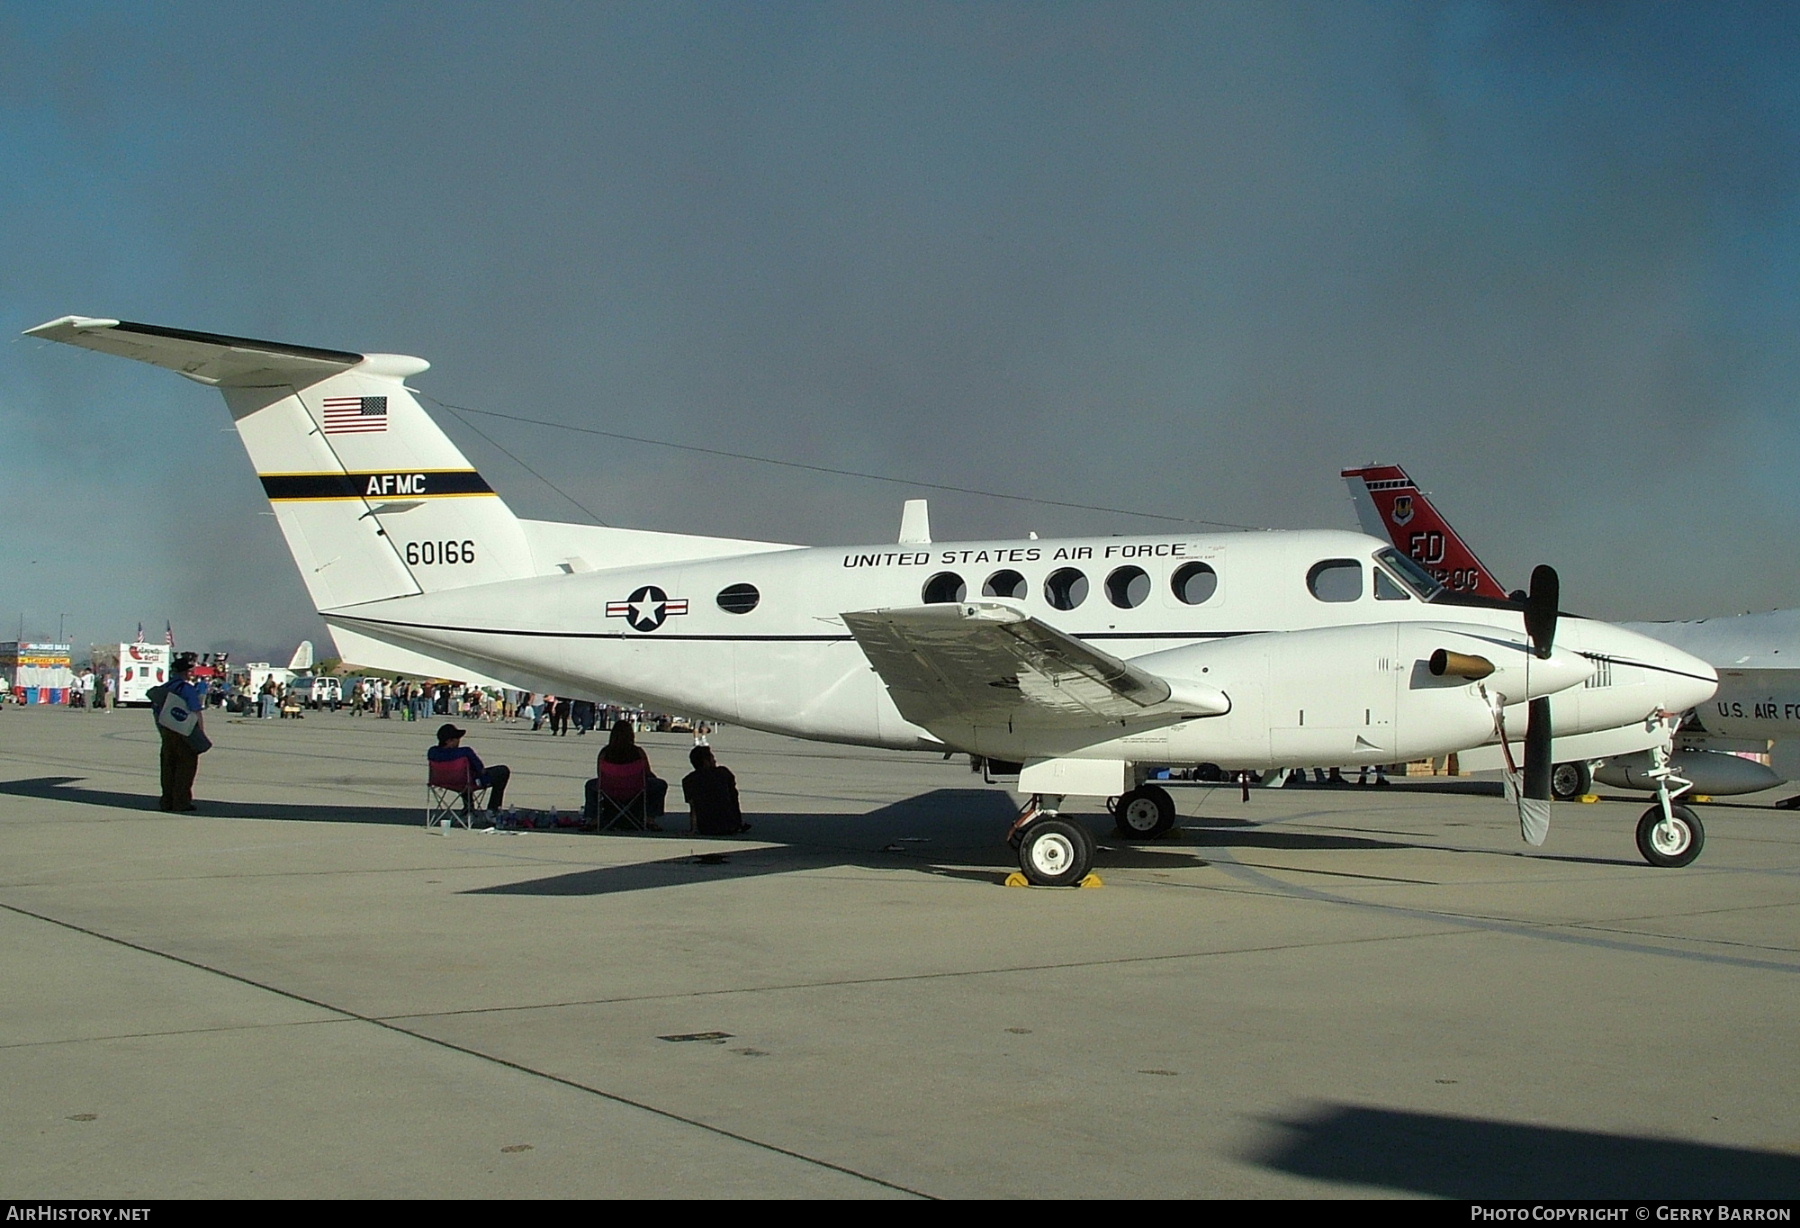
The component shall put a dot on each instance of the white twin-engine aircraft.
(1090, 662)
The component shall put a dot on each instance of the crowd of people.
(623, 783)
(268, 696)
(402, 699)
(624, 787)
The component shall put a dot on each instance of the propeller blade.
(1529, 789)
(1534, 795)
(1537, 750)
(1540, 624)
(1534, 821)
(1540, 608)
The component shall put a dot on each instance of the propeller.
(1540, 609)
(1540, 625)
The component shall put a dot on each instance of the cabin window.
(944, 587)
(739, 598)
(1336, 580)
(1128, 587)
(1066, 588)
(1004, 584)
(1388, 589)
(1194, 583)
(1410, 572)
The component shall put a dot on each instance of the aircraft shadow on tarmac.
(954, 833)
(68, 789)
(1470, 1158)
(1236, 837)
(950, 833)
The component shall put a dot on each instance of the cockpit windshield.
(1409, 571)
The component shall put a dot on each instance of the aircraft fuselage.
(1348, 690)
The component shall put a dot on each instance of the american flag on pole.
(355, 415)
(169, 634)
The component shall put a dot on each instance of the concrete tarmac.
(301, 992)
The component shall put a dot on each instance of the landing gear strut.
(1053, 851)
(1669, 835)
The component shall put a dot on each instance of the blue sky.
(1189, 259)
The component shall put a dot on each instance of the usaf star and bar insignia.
(647, 608)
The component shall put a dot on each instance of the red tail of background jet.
(1389, 504)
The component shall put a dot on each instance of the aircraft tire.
(1144, 813)
(1056, 853)
(1670, 845)
(1569, 781)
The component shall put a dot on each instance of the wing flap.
(983, 663)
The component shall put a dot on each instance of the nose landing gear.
(1672, 840)
(1669, 835)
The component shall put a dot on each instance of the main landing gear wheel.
(1144, 813)
(1056, 853)
(1569, 781)
(1671, 842)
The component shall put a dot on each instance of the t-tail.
(374, 499)
(1389, 504)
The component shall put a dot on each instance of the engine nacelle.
(1358, 694)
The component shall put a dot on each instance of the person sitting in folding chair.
(624, 791)
(457, 770)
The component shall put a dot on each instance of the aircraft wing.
(208, 358)
(967, 663)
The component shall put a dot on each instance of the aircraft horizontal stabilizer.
(208, 358)
(967, 663)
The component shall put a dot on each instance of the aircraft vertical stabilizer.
(374, 499)
(1389, 504)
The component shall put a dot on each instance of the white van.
(322, 690)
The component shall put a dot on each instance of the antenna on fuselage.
(915, 522)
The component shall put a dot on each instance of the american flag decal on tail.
(355, 415)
